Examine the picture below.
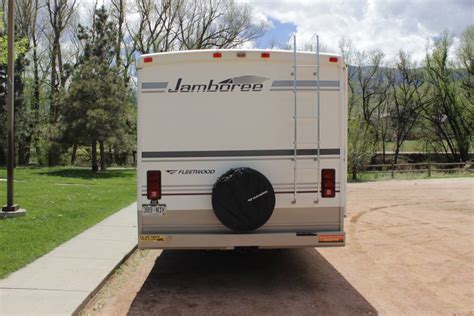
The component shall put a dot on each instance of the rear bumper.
(230, 241)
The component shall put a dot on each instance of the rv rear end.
(234, 152)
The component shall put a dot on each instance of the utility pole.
(11, 209)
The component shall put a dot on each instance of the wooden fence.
(427, 167)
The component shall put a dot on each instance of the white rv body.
(194, 124)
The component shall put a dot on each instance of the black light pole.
(11, 209)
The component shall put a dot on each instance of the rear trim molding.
(229, 240)
(210, 193)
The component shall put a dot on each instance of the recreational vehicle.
(241, 148)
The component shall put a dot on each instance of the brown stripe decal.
(238, 153)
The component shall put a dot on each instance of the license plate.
(159, 209)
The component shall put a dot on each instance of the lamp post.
(11, 209)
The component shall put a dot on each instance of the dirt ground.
(410, 250)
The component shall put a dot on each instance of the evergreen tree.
(97, 100)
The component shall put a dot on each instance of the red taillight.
(333, 59)
(265, 55)
(153, 184)
(217, 55)
(148, 59)
(328, 183)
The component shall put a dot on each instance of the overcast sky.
(385, 25)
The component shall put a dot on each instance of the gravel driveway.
(410, 250)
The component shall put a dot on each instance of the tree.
(124, 50)
(368, 98)
(95, 110)
(20, 49)
(348, 54)
(465, 56)
(408, 97)
(36, 30)
(369, 83)
(3, 88)
(216, 24)
(3, 41)
(360, 145)
(59, 13)
(449, 112)
(156, 27)
(25, 20)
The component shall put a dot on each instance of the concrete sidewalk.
(59, 282)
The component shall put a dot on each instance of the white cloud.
(387, 26)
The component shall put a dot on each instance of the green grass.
(407, 146)
(60, 203)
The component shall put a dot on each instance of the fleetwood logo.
(242, 84)
(191, 171)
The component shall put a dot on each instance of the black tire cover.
(243, 199)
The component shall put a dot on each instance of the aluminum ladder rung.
(307, 168)
(305, 143)
(306, 117)
(306, 66)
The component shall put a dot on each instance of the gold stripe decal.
(157, 238)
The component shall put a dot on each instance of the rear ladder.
(296, 117)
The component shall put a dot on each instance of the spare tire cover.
(243, 199)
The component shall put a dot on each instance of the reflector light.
(217, 55)
(328, 183)
(148, 59)
(153, 184)
(265, 55)
(241, 54)
(331, 238)
(333, 59)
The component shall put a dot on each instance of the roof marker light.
(265, 55)
(333, 59)
(148, 59)
(217, 55)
